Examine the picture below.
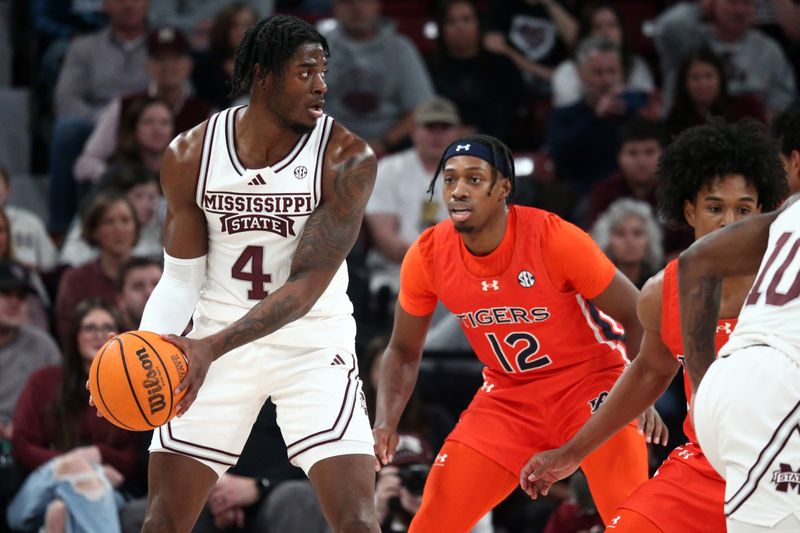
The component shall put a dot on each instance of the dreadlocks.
(270, 43)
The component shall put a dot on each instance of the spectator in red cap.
(169, 65)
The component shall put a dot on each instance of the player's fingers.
(663, 434)
(542, 487)
(649, 426)
(391, 446)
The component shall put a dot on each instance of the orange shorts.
(685, 496)
(510, 419)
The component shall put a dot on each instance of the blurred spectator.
(110, 225)
(262, 493)
(584, 138)
(401, 206)
(641, 143)
(600, 19)
(97, 68)
(780, 19)
(169, 65)
(376, 76)
(79, 462)
(33, 246)
(786, 130)
(754, 63)
(137, 279)
(471, 76)
(60, 20)
(37, 300)
(23, 349)
(630, 236)
(140, 186)
(213, 68)
(196, 17)
(536, 36)
(702, 91)
(578, 514)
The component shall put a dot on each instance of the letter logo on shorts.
(464, 147)
(786, 478)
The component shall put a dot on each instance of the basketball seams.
(100, 390)
(160, 360)
(130, 383)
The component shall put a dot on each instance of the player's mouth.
(459, 212)
(316, 109)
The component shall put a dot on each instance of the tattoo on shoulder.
(333, 228)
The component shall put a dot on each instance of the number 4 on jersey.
(254, 257)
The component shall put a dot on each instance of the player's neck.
(261, 138)
(486, 240)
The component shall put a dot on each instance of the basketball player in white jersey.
(265, 201)
(747, 406)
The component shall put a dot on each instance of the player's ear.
(505, 187)
(260, 76)
(688, 212)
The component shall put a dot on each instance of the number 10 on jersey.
(250, 267)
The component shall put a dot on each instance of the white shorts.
(747, 418)
(317, 393)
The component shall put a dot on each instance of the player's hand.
(200, 357)
(385, 445)
(546, 468)
(232, 491)
(652, 427)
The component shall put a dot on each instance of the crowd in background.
(586, 93)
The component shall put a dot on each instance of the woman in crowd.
(79, 463)
(600, 19)
(213, 69)
(466, 73)
(701, 90)
(630, 236)
(110, 225)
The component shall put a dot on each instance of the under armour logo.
(494, 285)
(464, 147)
(526, 279)
(786, 478)
(726, 328)
(597, 402)
(487, 387)
(684, 453)
(614, 521)
(440, 459)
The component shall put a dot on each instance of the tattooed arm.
(348, 177)
(732, 251)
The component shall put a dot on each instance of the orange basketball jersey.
(671, 333)
(526, 316)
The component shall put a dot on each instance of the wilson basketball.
(132, 378)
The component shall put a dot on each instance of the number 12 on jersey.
(528, 347)
(252, 256)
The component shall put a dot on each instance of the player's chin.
(463, 226)
(304, 125)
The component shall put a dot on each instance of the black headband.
(479, 150)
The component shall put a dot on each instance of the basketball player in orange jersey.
(709, 177)
(538, 302)
(265, 201)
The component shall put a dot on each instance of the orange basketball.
(132, 378)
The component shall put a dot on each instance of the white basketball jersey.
(771, 312)
(255, 218)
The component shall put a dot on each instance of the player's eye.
(448, 179)
(744, 210)
(714, 209)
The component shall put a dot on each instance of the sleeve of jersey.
(573, 260)
(417, 296)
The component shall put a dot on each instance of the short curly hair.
(706, 153)
(786, 129)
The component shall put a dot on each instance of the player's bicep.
(333, 227)
(654, 354)
(185, 233)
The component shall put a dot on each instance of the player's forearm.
(398, 376)
(290, 302)
(699, 301)
(636, 390)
